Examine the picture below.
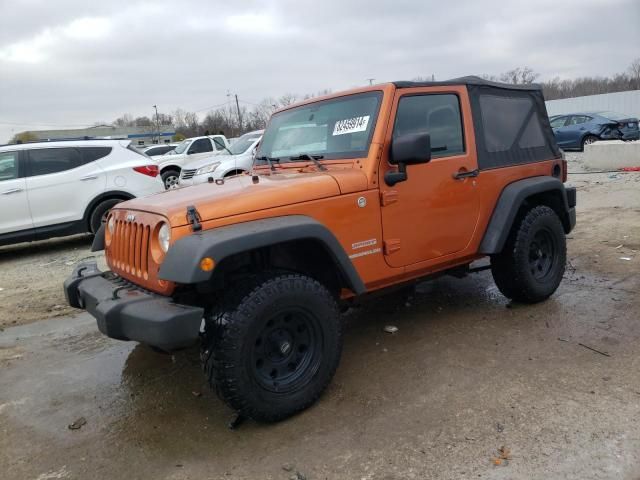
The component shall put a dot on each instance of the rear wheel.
(100, 212)
(271, 348)
(531, 265)
(588, 140)
(170, 179)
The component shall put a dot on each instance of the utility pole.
(239, 116)
(157, 125)
(371, 80)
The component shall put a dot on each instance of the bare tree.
(519, 76)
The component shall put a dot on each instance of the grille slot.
(188, 174)
(130, 248)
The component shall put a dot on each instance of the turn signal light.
(207, 264)
(151, 170)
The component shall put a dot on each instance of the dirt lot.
(31, 277)
(557, 384)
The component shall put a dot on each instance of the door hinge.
(391, 245)
(388, 197)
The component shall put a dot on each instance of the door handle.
(13, 190)
(89, 177)
(460, 174)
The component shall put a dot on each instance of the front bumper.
(125, 312)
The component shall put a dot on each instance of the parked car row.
(575, 130)
(60, 188)
(50, 189)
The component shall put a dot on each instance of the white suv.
(52, 189)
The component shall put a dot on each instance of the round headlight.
(164, 237)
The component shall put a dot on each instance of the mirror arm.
(393, 177)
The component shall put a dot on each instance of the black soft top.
(510, 121)
(468, 80)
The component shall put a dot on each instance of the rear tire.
(272, 346)
(170, 179)
(532, 263)
(99, 214)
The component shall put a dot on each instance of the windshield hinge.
(193, 217)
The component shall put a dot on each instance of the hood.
(240, 195)
(171, 158)
(220, 157)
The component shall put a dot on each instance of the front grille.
(129, 248)
(187, 174)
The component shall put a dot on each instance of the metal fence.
(627, 103)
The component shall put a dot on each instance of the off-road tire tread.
(226, 325)
(510, 267)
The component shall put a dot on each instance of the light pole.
(157, 125)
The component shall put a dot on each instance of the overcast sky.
(76, 62)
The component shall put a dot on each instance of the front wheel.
(170, 179)
(531, 265)
(271, 348)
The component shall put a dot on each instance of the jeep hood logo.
(131, 217)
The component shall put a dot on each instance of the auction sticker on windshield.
(351, 125)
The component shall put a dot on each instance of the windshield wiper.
(313, 158)
(270, 161)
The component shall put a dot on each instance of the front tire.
(271, 348)
(532, 263)
(170, 179)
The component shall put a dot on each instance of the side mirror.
(410, 149)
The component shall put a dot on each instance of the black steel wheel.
(542, 254)
(287, 351)
(272, 345)
(530, 267)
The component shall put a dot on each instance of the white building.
(627, 103)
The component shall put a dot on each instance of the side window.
(576, 120)
(53, 160)
(8, 165)
(219, 143)
(200, 146)
(558, 122)
(91, 154)
(436, 114)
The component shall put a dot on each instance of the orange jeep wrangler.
(350, 193)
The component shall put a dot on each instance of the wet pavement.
(466, 374)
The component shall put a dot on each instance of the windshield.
(182, 147)
(337, 128)
(242, 144)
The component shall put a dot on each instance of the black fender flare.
(182, 262)
(509, 203)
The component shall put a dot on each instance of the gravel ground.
(31, 276)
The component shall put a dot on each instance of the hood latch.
(193, 217)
